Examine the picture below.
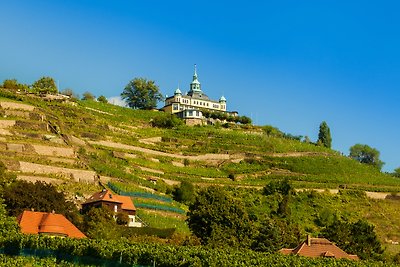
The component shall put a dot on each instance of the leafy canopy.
(356, 238)
(366, 154)
(141, 93)
(218, 219)
(21, 195)
(45, 85)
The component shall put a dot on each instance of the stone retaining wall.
(76, 175)
(12, 105)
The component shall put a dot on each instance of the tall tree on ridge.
(141, 93)
(324, 135)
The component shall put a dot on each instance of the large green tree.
(366, 154)
(324, 135)
(141, 93)
(45, 85)
(21, 195)
(218, 219)
(357, 238)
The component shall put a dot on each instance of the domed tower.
(177, 92)
(222, 102)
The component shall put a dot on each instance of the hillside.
(82, 145)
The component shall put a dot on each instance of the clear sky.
(290, 64)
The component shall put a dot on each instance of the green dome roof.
(178, 92)
(222, 99)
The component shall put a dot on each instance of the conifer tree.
(324, 136)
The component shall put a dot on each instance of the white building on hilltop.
(189, 106)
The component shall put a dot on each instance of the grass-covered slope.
(120, 147)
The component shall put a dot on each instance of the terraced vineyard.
(85, 145)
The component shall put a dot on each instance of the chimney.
(308, 240)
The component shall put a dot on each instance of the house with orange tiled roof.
(115, 203)
(318, 247)
(45, 223)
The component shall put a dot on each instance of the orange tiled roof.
(318, 247)
(127, 203)
(107, 195)
(33, 222)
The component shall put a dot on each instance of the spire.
(195, 72)
(195, 84)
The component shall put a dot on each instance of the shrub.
(102, 99)
(166, 121)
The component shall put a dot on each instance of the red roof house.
(114, 202)
(318, 247)
(33, 222)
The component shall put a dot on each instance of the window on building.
(175, 107)
(190, 113)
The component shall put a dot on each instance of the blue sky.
(290, 64)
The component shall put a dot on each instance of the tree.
(272, 131)
(366, 154)
(396, 172)
(357, 238)
(8, 225)
(283, 187)
(40, 196)
(11, 84)
(99, 223)
(245, 120)
(219, 220)
(324, 135)
(45, 85)
(102, 99)
(140, 93)
(88, 96)
(69, 92)
(184, 193)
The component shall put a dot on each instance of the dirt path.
(204, 157)
(99, 111)
(299, 154)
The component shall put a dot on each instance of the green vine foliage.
(145, 254)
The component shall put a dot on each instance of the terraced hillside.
(81, 146)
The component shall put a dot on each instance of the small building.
(45, 223)
(115, 203)
(318, 247)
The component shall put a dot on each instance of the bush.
(185, 193)
(166, 121)
(88, 96)
(122, 218)
(102, 99)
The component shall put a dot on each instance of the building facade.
(189, 106)
(115, 203)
